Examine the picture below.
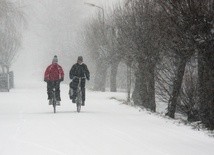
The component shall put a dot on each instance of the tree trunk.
(129, 82)
(176, 87)
(8, 78)
(144, 92)
(2, 69)
(136, 95)
(206, 86)
(113, 76)
(100, 77)
(151, 88)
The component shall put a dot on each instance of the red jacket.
(54, 72)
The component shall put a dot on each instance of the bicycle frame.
(79, 94)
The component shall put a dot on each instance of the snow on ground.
(28, 126)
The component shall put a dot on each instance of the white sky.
(45, 33)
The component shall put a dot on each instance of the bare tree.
(193, 20)
(139, 30)
(157, 38)
(11, 22)
(189, 101)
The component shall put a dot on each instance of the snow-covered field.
(28, 126)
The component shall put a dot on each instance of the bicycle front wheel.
(54, 106)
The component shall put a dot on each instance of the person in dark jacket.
(54, 74)
(79, 70)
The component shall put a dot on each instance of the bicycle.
(79, 94)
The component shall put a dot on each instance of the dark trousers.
(50, 86)
(74, 85)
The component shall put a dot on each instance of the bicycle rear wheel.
(78, 108)
(54, 102)
(79, 101)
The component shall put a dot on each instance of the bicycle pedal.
(50, 102)
(58, 103)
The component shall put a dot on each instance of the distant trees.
(96, 40)
(11, 20)
(100, 39)
(160, 39)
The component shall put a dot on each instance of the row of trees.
(11, 23)
(168, 43)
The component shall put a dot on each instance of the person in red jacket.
(54, 74)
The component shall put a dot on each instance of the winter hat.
(80, 58)
(55, 59)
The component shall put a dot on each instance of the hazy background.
(53, 27)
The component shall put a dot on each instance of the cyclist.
(54, 74)
(79, 70)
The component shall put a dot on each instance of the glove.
(62, 79)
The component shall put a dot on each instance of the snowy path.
(104, 127)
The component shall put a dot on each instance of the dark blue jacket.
(79, 70)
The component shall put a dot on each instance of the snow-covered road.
(104, 127)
